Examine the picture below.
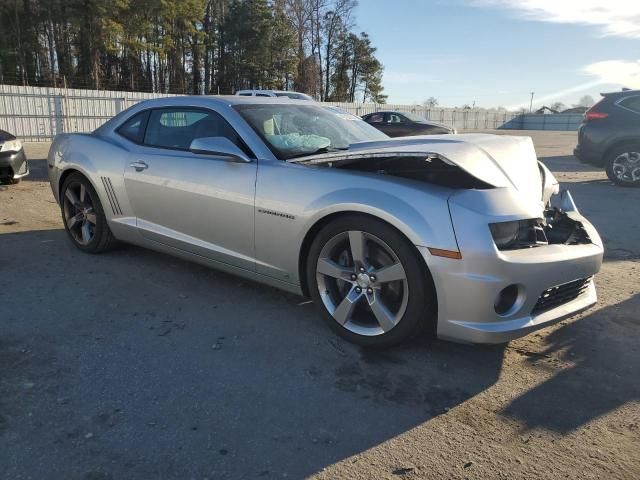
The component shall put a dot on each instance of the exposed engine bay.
(430, 169)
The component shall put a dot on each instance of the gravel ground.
(135, 365)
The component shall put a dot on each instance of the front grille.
(560, 294)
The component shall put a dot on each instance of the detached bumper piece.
(560, 294)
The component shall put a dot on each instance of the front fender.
(428, 225)
(291, 199)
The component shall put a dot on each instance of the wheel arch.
(66, 174)
(320, 223)
(617, 144)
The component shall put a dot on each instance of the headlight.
(11, 146)
(517, 234)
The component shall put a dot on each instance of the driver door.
(202, 204)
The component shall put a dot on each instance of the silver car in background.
(467, 236)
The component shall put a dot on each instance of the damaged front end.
(480, 163)
(559, 225)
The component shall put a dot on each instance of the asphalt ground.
(134, 364)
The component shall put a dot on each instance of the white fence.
(39, 114)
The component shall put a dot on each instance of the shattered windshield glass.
(293, 131)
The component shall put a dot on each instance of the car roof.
(219, 100)
(620, 93)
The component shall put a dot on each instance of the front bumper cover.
(467, 289)
(14, 164)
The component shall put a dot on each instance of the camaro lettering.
(277, 214)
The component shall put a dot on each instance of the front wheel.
(83, 216)
(623, 165)
(369, 282)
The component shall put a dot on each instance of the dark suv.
(609, 137)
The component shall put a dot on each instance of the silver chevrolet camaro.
(465, 236)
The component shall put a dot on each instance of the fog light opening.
(506, 300)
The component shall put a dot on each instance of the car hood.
(498, 160)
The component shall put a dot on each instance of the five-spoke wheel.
(623, 166)
(369, 281)
(79, 214)
(83, 216)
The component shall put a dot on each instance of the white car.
(274, 94)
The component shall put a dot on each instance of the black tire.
(630, 148)
(11, 180)
(102, 239)
(420, 307)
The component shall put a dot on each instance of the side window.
(177, 128)
(244, 94)
(632, 103)
(375, 118)
(133, 129)
(262, 95)
(394, 118)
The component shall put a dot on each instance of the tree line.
(190, 46)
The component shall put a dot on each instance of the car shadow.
(602, 377)
(134, 364)
(606, 206)
(568, 163)
(37, 170)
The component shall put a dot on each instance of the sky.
(496, 52)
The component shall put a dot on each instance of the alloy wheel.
(79, 213)
(626, 167)
(362, 283)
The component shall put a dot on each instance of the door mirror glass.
(219, 146)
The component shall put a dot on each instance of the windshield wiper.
(319, 151)
(329, 149)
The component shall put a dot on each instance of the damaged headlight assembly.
(11, 146)
(517, 234)
(556, 228)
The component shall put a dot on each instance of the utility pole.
(531, 102)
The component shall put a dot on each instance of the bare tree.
(431, 102)
(337, 20)
(585, 101)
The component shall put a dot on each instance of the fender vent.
(111, 194)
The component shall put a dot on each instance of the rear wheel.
(369, 283)
(11, 180)
(83, 216)
(623, 165)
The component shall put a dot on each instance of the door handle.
(139, 165)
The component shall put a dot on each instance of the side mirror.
(219, 146)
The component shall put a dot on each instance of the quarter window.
(177, 128)
(133, 129)
(632, 103)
